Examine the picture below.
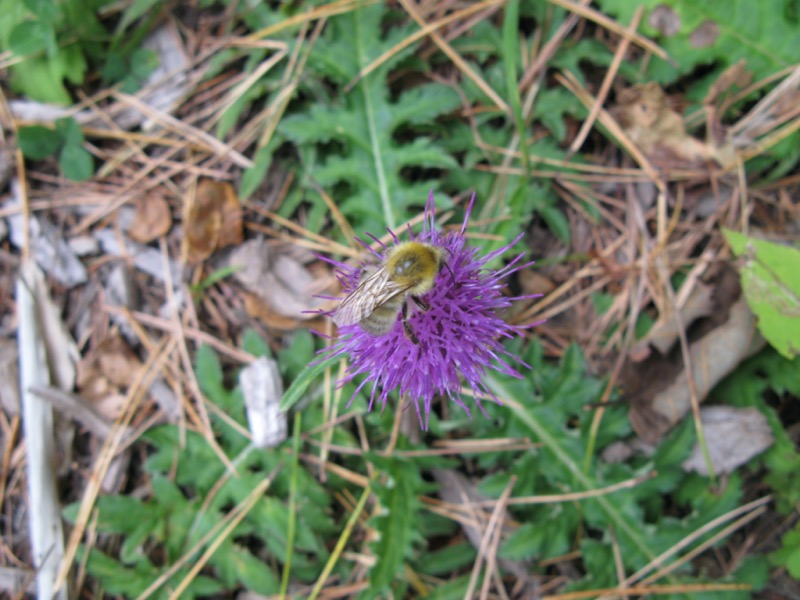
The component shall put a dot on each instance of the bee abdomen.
(383, 318)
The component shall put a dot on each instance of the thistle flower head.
(459, 332)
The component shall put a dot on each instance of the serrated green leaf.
(771, 284)
(447, 560)
(38, 142)
(367, 155)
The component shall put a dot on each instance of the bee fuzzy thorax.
(415, 265)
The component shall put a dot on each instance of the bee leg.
(421, 303)
(407, 326)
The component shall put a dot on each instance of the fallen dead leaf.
(105, 373)
(733, 436)
(533, 282)
(211, 220)
(653, 125)
(276, 278)
(152, 218)
(665, 397)
(664, 333)
(259, 309)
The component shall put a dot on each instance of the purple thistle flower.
(459, 334)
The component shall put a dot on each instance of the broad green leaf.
(38, 78)
(76, 162)
(30, 37)
(771, 284)
(717, 32)
(38, 142)
(45, 10)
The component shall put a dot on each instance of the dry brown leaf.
(276, 278)
(653, 125)
(117, 362)
(733, 436)
(665, 396)
(152, 218)
(106, 372)
(212, 220)
(664, 333)
(261, 310)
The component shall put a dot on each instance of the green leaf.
(69, 131)
(771, 284)
(76, 163)
(369, 154)
(38, 142)
(45, 10)
(395, 523)
(447, 560)
(30, 37)
(134, 11)
(789, 554)
(718, 33)
(303, 380)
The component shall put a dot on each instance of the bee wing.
(375, 290)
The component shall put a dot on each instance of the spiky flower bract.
(459, 334)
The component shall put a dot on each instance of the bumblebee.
(408, 271)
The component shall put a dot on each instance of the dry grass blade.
(135, 395)
(216, 535)
(459, 62)
(612, 25)
(46, 533)
(569, 81)
(608, 79)
(426, 30)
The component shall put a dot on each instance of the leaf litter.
(663, 191)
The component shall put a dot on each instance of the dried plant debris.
(152, 218)
(144, 258)
(733, 436)
(276, 278)
(658, 388)
(9, 375)
(48, 246)
(665, 400)
(212, 220)
(106, 372)
(162, 91)
(664, 333)
(647, 117)
(262, 390)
